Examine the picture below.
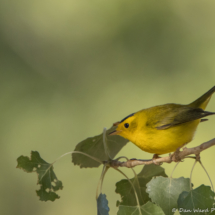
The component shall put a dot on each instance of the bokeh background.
(70, 68)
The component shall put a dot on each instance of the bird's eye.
(126, 125)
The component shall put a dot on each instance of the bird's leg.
(155, 156)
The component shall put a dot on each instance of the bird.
(164, 128)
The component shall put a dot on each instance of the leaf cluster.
(46, 177)
(149, 192)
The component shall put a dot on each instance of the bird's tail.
(203, 100)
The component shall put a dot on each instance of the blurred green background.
(70, 68)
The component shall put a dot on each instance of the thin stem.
(74, 152)
(191, 189)
(105, 144)
(103, 175)
(174, 169)
(138, 203)
(53, 163)
(207, 175)
(77, 152)
(61, 157)
(190, 157)
(96, 159)
(135, 175)
(97, 190)
(121, 157)
(191, 174)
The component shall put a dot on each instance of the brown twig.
(169, 159)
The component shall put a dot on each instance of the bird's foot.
(155, 156)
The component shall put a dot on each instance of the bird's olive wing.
(181, 115)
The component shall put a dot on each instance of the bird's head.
(126, 127)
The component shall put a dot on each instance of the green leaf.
(197, 201)
(147, 209)
(102, 205)
(47, 179)
(165, 191)
(126, 191)
(94, 146)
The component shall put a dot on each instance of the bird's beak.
(115, 132)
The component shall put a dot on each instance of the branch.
(177, 156)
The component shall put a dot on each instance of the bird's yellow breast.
(165, 141)
(164, 128)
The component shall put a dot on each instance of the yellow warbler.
(164, 128)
